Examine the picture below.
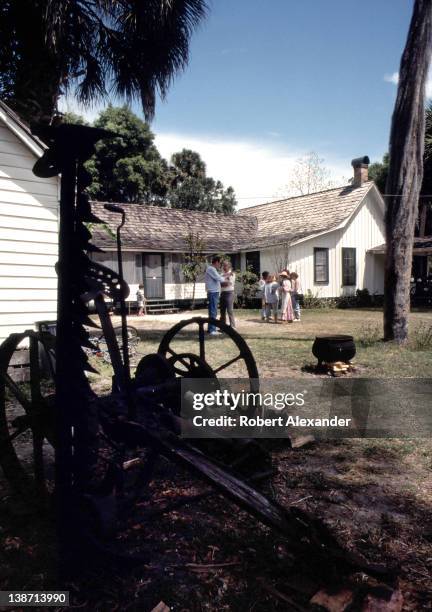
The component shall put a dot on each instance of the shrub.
(346, 301)
(363, 298)
(249, 281)
(422, 337)
(312, 300)
(369, 334)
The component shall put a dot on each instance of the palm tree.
(93, 48)
(405, 171)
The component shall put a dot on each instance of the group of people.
(280, 296)
(220, 282)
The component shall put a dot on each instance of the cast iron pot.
(334, 348)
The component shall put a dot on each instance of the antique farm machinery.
(138, 422)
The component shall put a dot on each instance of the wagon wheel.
(27, 422)
(188, 365)
(191, 351)
(194, 330)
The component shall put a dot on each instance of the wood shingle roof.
(154, 228)
(295, 218)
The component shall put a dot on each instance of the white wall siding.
(364, 231)
(28, 238)
(174, 291)
(301, 261)
(183, 291)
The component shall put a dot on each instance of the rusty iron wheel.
(194, 329)
(189, 365)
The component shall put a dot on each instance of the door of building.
(253, 262)
(153, 274)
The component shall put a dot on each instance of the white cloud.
(68, 104)
(394, 78)
(256, 170)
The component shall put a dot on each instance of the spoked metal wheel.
(27, 416)
(196, 354)
(189, 365)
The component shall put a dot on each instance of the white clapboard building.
(333, 239)
(28, 230)
(329, 238)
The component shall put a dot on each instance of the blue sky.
(270, 80)
(310, 72)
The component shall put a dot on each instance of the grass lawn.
(374, 494)
(284, 349)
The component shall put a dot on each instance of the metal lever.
(123, 313)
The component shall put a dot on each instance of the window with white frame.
(321, 266)
(349, 273)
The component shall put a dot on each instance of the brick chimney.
(360, 165)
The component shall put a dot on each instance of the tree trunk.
(406, 171)
(193, 294)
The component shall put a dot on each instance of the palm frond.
(132, 49)
(129, 49)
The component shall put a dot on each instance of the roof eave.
(36, 146)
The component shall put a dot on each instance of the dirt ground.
(374, 494)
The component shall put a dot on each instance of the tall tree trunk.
(406, 171)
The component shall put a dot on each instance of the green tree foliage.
(249, 282)
(192, 189)
(70, 117)
(188, 164)
(194, 260)
(92, 48)
(378, 172)
(128, 167)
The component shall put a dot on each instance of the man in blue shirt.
(213, 282)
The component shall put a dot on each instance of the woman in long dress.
(287, 313)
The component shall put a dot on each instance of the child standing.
(227, 294)
(271, 295)
(260, 293)
(295, 295)
(286, 305)
(140, 300)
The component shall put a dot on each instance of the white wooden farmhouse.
(28, 230)
(334, 239)
(329, 238)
